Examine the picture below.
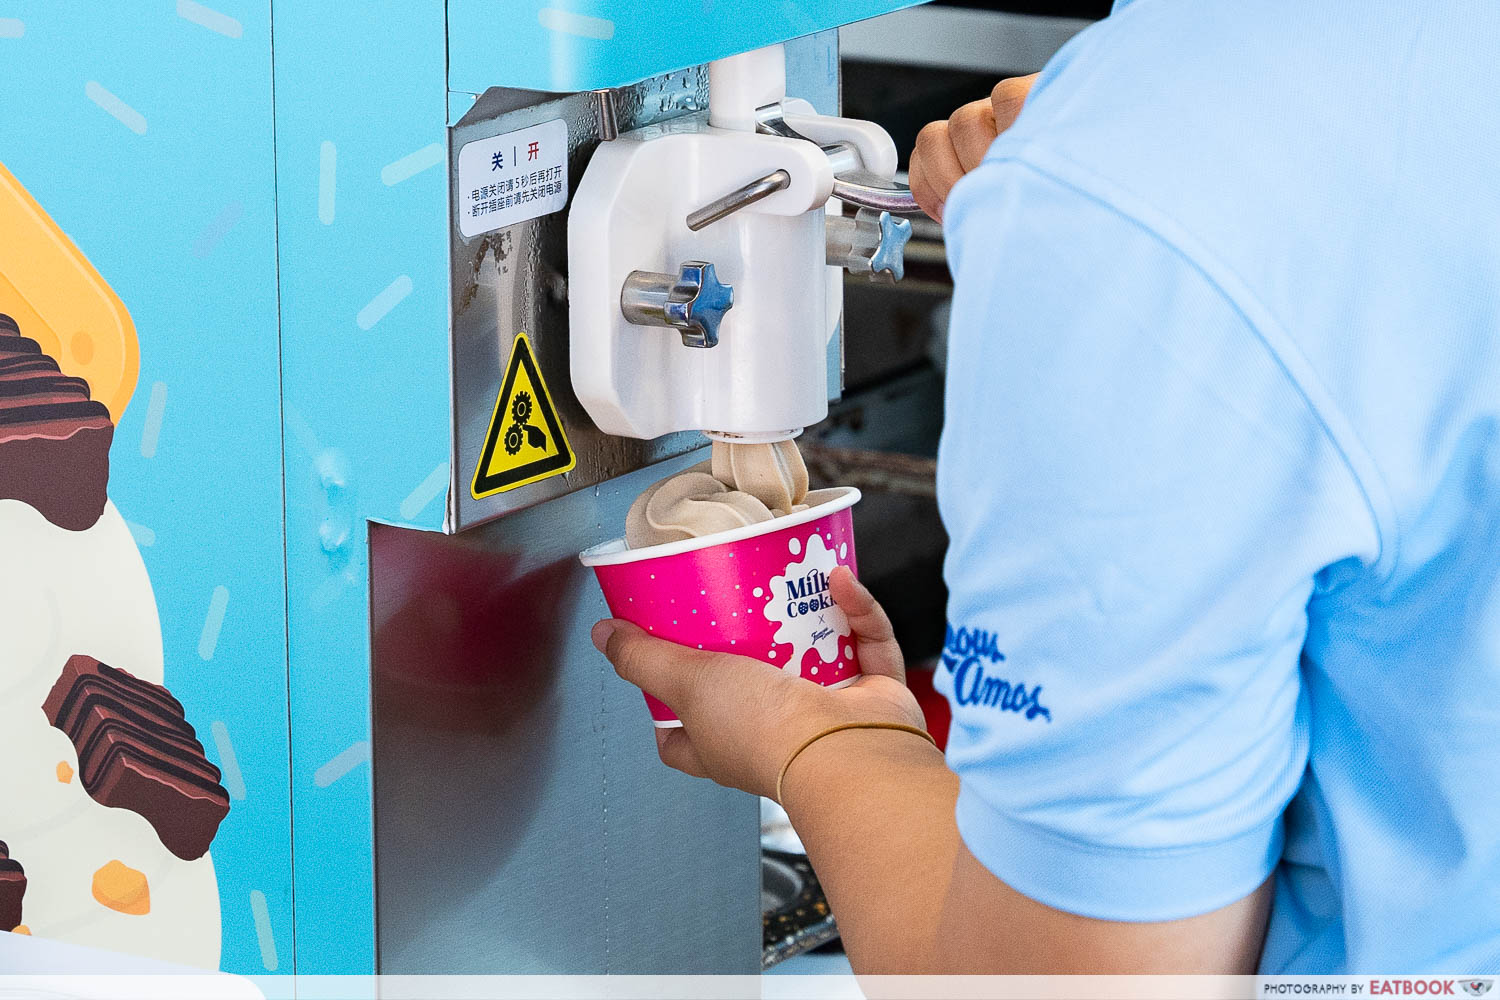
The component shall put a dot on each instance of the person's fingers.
(924, 193)
(945, 151)
(879, 653)
(1007, 99)
(934, 169)
(677, 751)
(664, 669)
(971, 129)
(866, 616)
(604, 628)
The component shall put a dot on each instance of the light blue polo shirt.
(1222, 474)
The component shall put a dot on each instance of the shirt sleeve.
(1140, 503)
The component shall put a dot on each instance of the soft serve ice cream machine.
(717, 227)
(396, 371)
(692, 286)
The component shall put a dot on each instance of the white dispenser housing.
(660, 342)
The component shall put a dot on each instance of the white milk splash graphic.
(799, 604)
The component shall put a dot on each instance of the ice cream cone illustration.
(53, 293)
(107, 801)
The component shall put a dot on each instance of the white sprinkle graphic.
(229, 764)
(427, 491)
(375, 310)
(848, 652)
(328, 165)
(156, 408)
(262, 915)
(144, 536)
(566, 22)
(128, 116)
(411, 164)
(844, 550)
(357, 754)
(794, 546)
(757, 592)
(302, 431)
(12, 27)
(209, 18)
(217, 229)
(209, 640)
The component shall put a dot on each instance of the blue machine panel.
(363, 211)
(565, 45)
(144, 131)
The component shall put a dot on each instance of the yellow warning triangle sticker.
(525, 442)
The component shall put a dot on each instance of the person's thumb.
(879, 654)
(658, 667)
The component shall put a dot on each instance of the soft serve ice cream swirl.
(741, 484)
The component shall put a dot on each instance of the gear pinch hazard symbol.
(525, 443)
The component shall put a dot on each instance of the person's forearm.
(874, 809)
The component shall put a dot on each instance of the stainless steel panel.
(515, 279)
(523, 823)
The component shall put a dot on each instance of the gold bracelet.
(899, 727)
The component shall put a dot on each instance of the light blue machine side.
(363, 215)
(146, 134)
(566, 45)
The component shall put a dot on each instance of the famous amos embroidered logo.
(966, 653)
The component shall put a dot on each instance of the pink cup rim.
(614, 552)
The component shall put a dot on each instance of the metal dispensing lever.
(852, 184)
(865, 190)
(756, 190)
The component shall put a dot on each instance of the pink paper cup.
(759, 591)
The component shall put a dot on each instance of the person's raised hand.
(947, 150)
(742, 718)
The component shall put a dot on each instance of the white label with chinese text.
(512, 177)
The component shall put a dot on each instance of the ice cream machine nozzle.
(721, 227)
